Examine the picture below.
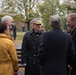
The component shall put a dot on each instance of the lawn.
(20, 36)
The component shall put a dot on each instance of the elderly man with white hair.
(8, 20)
(56, 50)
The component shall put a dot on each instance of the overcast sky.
(61, 1)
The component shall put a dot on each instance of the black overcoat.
(29, 53)
(56, 52)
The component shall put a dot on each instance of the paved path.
(21, 71)
(18, 46)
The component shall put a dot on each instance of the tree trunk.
(28, 25)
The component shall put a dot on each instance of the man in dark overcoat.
(56, 50)
(72, 26)
(14, 31)
(30, 45)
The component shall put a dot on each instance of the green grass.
(20, 36)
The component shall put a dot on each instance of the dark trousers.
(73, 72)
(32, 69)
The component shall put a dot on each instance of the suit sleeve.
(71, 53)
(43, 49)
(24, 50)
(14, 57)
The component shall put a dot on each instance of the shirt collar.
(32, 31)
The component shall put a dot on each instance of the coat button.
(33, 62)
(34, 55)
(34, 47)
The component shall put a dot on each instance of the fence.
(19, 57)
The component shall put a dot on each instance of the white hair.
(5, 18)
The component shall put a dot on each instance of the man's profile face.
(9, 22)
(71, 23)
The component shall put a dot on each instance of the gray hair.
(5, 18)
(55, 20)
(72, 16)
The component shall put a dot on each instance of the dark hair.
(3, 27)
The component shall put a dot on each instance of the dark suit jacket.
(74, 41)
(56, 52)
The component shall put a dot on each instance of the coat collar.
(3, 35)
(57, 28)
(73, 30)
(32, 31)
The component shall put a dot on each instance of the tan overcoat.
(8, 55)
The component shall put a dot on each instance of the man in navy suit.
(56, 50)
(72, 26)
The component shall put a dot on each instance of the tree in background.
(70, 5)
(50, 7)
(25, 10)
(21, 10)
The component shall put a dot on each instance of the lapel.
(34, 37)
(57, 28)
(73, 31)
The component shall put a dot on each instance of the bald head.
(55, 20)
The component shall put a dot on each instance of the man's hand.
(70, 68)
(16, 73)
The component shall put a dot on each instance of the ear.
(74, 21)
(6, 21)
